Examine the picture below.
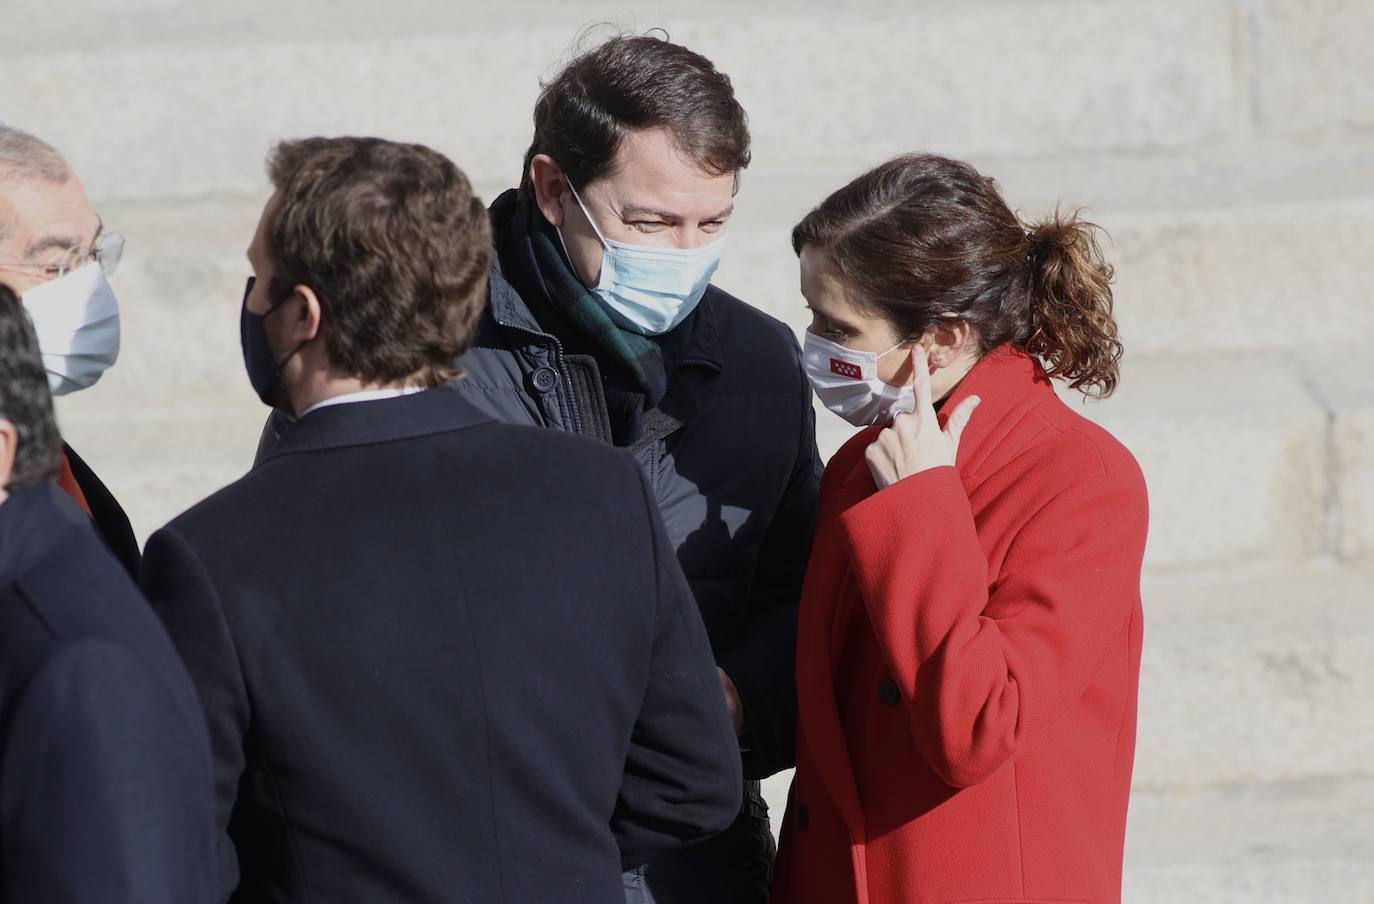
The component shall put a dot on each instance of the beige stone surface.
(178, 99)
(1315, 71)
(1256, 675)
(1343, 380)
(1280, 844)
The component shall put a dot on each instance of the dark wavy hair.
(25, 400)
(923, 238)
(395, 244)
(636, 82)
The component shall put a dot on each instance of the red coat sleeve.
(981, 672)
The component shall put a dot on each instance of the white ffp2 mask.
(76, 318)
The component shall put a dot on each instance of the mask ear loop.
(276, 368)
(586, 214)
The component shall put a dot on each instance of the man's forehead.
(652, 171)
(41, 212)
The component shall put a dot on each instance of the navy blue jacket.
(444, 659)
(730, 454)
(105, 790)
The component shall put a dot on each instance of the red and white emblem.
(846, 369)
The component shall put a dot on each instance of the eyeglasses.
(107, 250)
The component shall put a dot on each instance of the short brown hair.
(394, 243)
(633, 82)
(924, 237)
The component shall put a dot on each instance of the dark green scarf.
(637, 363)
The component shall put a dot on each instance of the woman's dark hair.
(633, 82)
(394, 242)
(25, 400)
(923, 238)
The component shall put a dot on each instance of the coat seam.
(1020, 835)
(486, 732)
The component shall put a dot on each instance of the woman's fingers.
(920, 363)
(881, 463)
(958, 420)
(905, 426)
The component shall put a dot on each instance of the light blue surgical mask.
(650, 290)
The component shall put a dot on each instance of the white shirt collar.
(366, 395)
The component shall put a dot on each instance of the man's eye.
(647, 225)
(712, 226)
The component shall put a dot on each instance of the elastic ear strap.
(585, 212)
(897, 346)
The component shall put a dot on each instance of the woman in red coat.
(969, 646)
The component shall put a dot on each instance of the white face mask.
(847, 382)
(76, 317)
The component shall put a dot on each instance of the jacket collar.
(513, 272)
(437, 410)
(1009, 381)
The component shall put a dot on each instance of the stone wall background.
(1226, 145)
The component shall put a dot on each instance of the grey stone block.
(1315, 73)
(1301, 843)
(1342, 379)
(1234, 454)
(1255, 676)
(168, 100)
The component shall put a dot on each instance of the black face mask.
(264, 373)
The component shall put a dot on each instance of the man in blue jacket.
(603, 321)
(104, 760)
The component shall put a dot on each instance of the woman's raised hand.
(915, 442)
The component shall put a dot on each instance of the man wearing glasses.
(56, 253)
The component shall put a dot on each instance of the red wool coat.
(967, 665)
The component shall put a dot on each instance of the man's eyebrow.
(53, 240)
(64, 242)
(634, 210)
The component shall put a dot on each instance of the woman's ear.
(946, 341)
(549, 187)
